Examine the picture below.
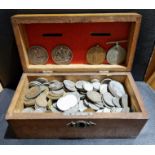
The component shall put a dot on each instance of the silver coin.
(76, 94)
(100, 105)
(42, 80)
(108, 99)
(62, 54)
(94, 96)
(86, 103)
(96, 85)
(82, 107)
(56, 85)
(87, 86)
(116, 88)
(93, 106)
(70, 85)
(103, 88)
(106, 110)
(72, 110)
(124, 101)
(58, 92)
(37, 55)
(66, 102)
(126, 109)
(116, 102)
(106, 81)
(95, 80)
(116, 55)
(34, 83)
(79, 85)
(40, 110)
(100, 110)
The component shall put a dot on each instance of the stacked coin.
(76, 97)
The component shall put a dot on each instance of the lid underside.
(79, 32)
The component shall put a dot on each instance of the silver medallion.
(62, 54)
(37, 55)
(116, 55)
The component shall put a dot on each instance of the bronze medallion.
(116, 55)
(62, 54)
(37, 55)
(96, 55)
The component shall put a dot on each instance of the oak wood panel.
(151, 81)
(105, 128)
(151, 67)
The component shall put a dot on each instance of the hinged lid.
(80, 32)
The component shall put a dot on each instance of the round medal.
(62, 54)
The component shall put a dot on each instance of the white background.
(77, 150)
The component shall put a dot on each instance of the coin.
(108, 99)
(95, 80)
(42, 80)
(33, 92)
(40, 110)
(115, 101)
(100, 105)
(79, 85)
(103, 88)
(66, 102)
(29, 102)
(94, 96)
(93, 106)
(124, 101)
(55, 85)
(37, 55)
(106, 110)
(34, 83)
(70, 85)
(116, 55)
(28, 109)
(41, 100)
(106, 81)
(96, 85)
(82, 107)
(126, 109)
(116, 88)
(87, 86)
(72, 110)
(62, 54)
(96, 55)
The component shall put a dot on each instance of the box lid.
(79, 32)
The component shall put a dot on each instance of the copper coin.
(62, 54)
(96, 55)
(37, 55)
(33, 92)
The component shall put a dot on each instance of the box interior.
(121, 78)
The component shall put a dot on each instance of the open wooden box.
(76, 30)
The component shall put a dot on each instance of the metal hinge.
(103, 72)
(48, 72)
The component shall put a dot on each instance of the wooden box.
(29, 30)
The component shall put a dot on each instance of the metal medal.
(116, 55)
(62, 54)
(96, 55)
(37, 55)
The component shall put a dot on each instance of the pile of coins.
(76, 98)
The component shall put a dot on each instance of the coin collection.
(62, 54)
(76, 97)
